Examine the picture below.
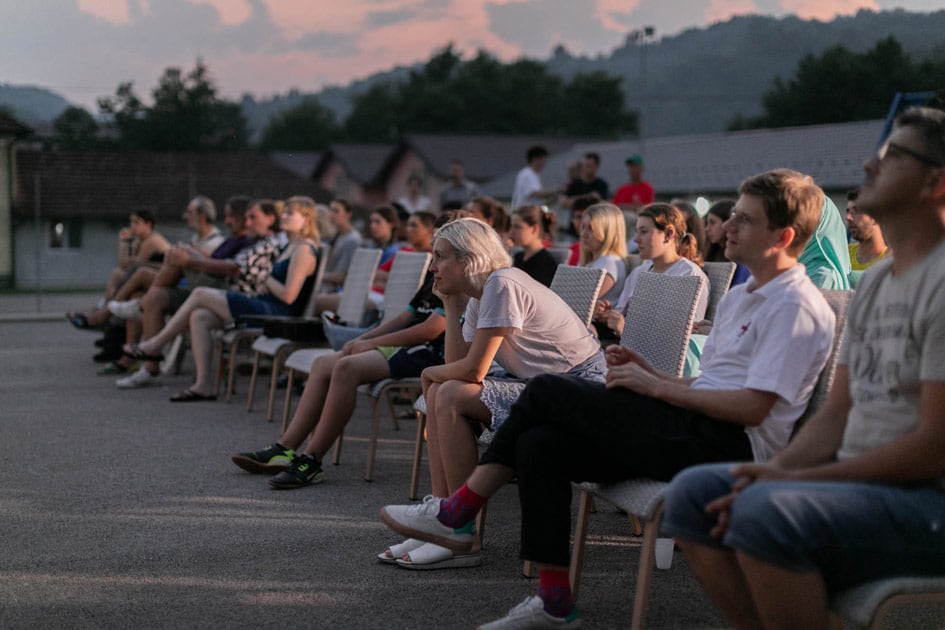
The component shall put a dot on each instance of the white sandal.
(429, 556)
(395, 552)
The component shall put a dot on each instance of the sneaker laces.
(429, 506)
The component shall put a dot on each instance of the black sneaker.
(303, 471)
(269, 460)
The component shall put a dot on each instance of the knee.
(541, 446)
(345, 368)
(695, 487)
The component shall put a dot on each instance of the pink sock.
(460, 507)
(554, 589)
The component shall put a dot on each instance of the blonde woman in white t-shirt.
(494, 312)
(665, 247)
(604, 246)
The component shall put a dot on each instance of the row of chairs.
(664, 345)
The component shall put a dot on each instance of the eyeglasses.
(741, 220)
(884, 151)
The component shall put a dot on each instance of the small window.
(65, 234)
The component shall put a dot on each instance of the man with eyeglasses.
(859, 494)
(771, 339)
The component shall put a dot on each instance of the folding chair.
(354, 297)
(579, 288)
(642, 499)
(406, 277)
(227, 342)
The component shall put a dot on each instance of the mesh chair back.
(578, 287)
(406, 276)
(838, 301)
(357, 285)
(720, 278)
(660, 317)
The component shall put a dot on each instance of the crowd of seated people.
(497, 350)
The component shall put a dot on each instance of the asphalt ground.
(119, 509)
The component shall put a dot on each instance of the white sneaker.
(141, 378)
(531, 614)
(125, 310)
(420, 522)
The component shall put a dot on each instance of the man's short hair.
(238, 205)
(147, 216)
(930, 123)
(583, 202)
(591, 155)
(206, 207)
(536, 151)
(790, 199)
(852, 194)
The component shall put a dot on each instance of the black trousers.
(565, 429)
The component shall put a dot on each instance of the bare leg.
(328, 302)
(723, 581)
(486, 479)
(348, 373)
(153, 305)
(785, 599)
(139, 281)
(434, 456)
(213, 300)
(313, 400)
(113, 281)
(458, 404)
(202, 322)
(168, 275)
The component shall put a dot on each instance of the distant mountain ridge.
(695, 82)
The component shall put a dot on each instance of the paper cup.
(664, 553)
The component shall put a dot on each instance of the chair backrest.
(357, 285)
(323, 253)
(838, 301)
(406, 276)
(720, 278)
(579, 287)
(660, 317)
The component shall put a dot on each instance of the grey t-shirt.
(895, 340)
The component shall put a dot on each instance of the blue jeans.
(850, 533)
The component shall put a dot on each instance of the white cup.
(664, 553)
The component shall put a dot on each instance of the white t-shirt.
(682, 267)
(895, 340)
(422, 203)
(616, 268)
(548, 336)
(527, 182)
(775, 338)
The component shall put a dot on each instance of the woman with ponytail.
(530, 226)
(665, 247)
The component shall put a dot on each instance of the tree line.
(481, 95)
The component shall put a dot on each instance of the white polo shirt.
(776, 339)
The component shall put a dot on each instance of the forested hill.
(699, 80)
(696, 81)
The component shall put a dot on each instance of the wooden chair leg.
(251, 390)
(636, 527)
(277, 360)
(417, 455)
(375, 430)
(288, 399)
(231, 374)
(336, 458)
(585, 506)
(645, 571)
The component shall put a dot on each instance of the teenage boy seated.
(761, 361)
(859, 494)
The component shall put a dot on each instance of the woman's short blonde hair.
(478, 248)
(609, 227)
(307, 208)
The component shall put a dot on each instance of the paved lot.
(120, 508)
